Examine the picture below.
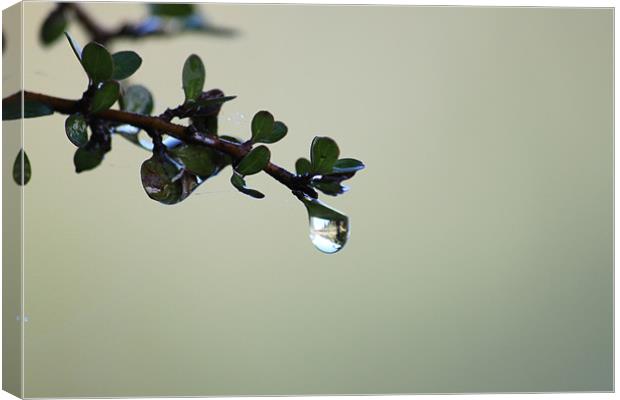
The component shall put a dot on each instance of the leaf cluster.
(176, 168)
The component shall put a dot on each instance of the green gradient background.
(481, 249)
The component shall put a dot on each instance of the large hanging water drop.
(329, 229)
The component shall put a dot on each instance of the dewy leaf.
(97, 62)
(53, 27)
(104, 97)
(18, 177)
(254, 161)
(76, 129)
(193, 77)
(75, 46)
(136, 99)
(12, 108)
(196, 159)
(164, 181)
(317, 209)
(239, 183)
(262, 126)
(348, 165)
(323, 154)
(125, 64)
(86, 158)
(171, 10)
(302, 166)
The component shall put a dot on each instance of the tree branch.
(236, 150)
(103, 35)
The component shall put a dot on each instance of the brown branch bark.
(235, 150)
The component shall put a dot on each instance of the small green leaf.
(262, 126)
(75, 46)
(125, 64)
(330, 188)
(86, 158)
(319, 210)
(12, 108)
(136, 99)
(239, 183)
(302, 166)
(214, 101)
(196, 159)
(254, 161)
(97, 62)
(348, 165)
(279, 131)
(323, 154)
(193, 77)
(18, 177)
(171, 10)
(165, 181)
(104, 97)
(53, 27)
(76, 129)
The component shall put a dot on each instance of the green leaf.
(319, 210)
(75, 46)
(239, 183)
(76, 129)
(262, 126)
(18, 177)
(125, 64)
(105, 96)
(53, 27)
(302, 166)
(171, 10)
(254, 161)
(323, 154)
(214, 101)
(348, 165)
(97, 62)
(196, 159)
(136, 99)
(279, 131)
(12, 108)
(165, 181)
(193, 77)
(86, 158)
(330, 188)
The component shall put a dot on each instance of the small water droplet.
(329, 235)
(329, 229)
(237, 118)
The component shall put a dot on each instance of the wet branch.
(184, 133)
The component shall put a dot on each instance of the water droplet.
(329, 229)
(329, 236)
(237, 118)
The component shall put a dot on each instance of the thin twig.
(236, 150)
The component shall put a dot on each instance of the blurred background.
(480, 256)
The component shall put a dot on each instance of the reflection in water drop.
(329, 235)
(329, 229)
